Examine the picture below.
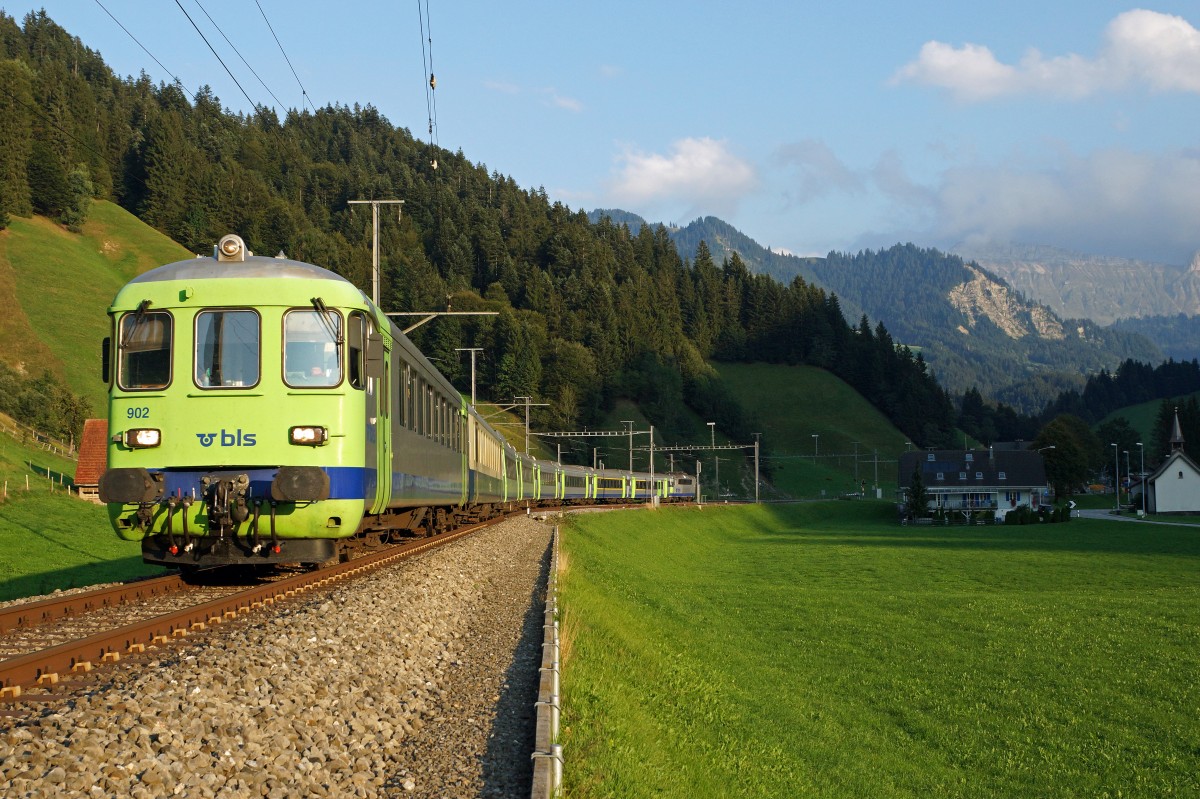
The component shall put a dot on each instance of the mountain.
(1096, 287)
(970, 325)
(723, 239)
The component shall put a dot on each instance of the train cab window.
(312, 348)
(145, 350)
(228, 349)
(357, 330)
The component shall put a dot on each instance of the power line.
(430, 80)
(239, 55)
(253, 104)
(139, 44)
(303, 91)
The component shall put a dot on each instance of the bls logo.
(234, 439)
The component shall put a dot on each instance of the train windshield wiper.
(327, 319)
(139, 316)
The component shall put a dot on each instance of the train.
(264, 410)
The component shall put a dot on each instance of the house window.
(970, 457)
(929, 457)
(941, 475)
(978, 475)
(962, 475)
(1181, 475)
(1002, 476)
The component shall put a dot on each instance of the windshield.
(145, 350)
(312, 355)
(227, 349)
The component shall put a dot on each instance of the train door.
(377, 481)
(383, 492)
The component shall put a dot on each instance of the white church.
(1175, 486)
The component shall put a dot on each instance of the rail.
(547, 755)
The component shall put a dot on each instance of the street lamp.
(816, 437)
(1141, 473)
(1128, 476)
(712, 432)
(1116, 476)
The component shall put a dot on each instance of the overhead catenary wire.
(239, 55)
(270, 27)
(429, 78)
(144, 49)
(224, 66)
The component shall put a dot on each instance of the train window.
(402, 394)
(228, 349)
(429, 431)
(145, 350)
(312, 348)
(356, 337)
(610, 482)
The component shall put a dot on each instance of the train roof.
(255, 266)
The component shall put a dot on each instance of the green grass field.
(822, 650)
(49, 540)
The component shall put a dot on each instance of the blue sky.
(809, 126)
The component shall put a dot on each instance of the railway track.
(46, 643)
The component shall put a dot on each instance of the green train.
(264, 410)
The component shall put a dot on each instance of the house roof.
(93, 452)
(974, 468)
(1172, 459)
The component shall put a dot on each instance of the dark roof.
(1021, 468)
(93, 452)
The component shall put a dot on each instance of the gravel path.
(416, 681)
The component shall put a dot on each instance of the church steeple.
(1176, 434)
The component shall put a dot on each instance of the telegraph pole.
(471, 350)
(375, 239)
(629, 425)
(756, 438)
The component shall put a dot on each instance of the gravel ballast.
(418, 680)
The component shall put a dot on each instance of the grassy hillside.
(794, 403)
(63, 284)
(1141, 417)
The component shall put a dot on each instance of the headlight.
(142, 437)
(308, 435)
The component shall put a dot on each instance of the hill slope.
(791, 405)
(63, 284)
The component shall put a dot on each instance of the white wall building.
(1175, 486)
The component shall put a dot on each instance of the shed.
(93, 458)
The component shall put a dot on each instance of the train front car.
(244, 420)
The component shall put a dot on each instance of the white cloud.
(1141, 49)
(697, 173)
(819, 171)
(549, 93)
(1113, 201)
(561, 101)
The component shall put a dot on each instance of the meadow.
(822, 650)
(51, 541)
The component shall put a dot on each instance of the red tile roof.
(93, 452)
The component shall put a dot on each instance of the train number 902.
(137, 413)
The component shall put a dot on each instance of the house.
(993, 479)
(1175, 486)
(93, 458)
